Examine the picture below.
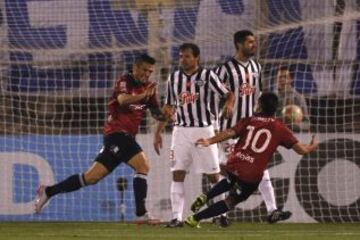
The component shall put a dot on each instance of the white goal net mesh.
(60, 58)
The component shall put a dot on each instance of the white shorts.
(184, 154)
(225, 148)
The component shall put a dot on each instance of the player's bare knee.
(213, 178)
(91, 179)
(142, 169)
(140, 163)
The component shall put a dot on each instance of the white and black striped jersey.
(244, 80)
(191, 95)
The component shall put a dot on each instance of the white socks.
(177, 196)
(267, 192)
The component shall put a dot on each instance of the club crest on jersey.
(246, 89)
(186, 98)
(255, 75)
(199, 83)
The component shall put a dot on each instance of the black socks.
(70, 184)
(140, 193)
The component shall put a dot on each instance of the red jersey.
(127, 118)
(259, 138)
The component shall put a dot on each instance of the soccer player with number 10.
(259, 136)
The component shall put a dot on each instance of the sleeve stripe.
(216, 84)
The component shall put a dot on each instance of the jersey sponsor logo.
(137, 106)
(186, 98)
(245, 157)
(246, 89)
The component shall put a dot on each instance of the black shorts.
(118, 147)
(241, 190)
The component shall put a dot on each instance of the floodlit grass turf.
(101, 230)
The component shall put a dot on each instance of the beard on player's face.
(246, 51)
(249, 51)
(188, 61)
(189, 64)
(188, 67)
(248, 47)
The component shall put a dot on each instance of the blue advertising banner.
(27, 161)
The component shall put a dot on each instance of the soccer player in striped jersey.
(260, 135)
(242, 75)
(188, 97)
(133, 93)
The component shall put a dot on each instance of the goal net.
(59, 60)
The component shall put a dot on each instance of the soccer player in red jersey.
(260, 136)
(133, 94)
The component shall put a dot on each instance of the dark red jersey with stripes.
(259, 138)
(127, 118)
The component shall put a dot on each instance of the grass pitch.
(107, 231)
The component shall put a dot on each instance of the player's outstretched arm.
(219, 137)
(302, 148)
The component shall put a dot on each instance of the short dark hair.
(240, 36)
(286, 68)
(194, 48)
(269, 103)
(144, 58)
